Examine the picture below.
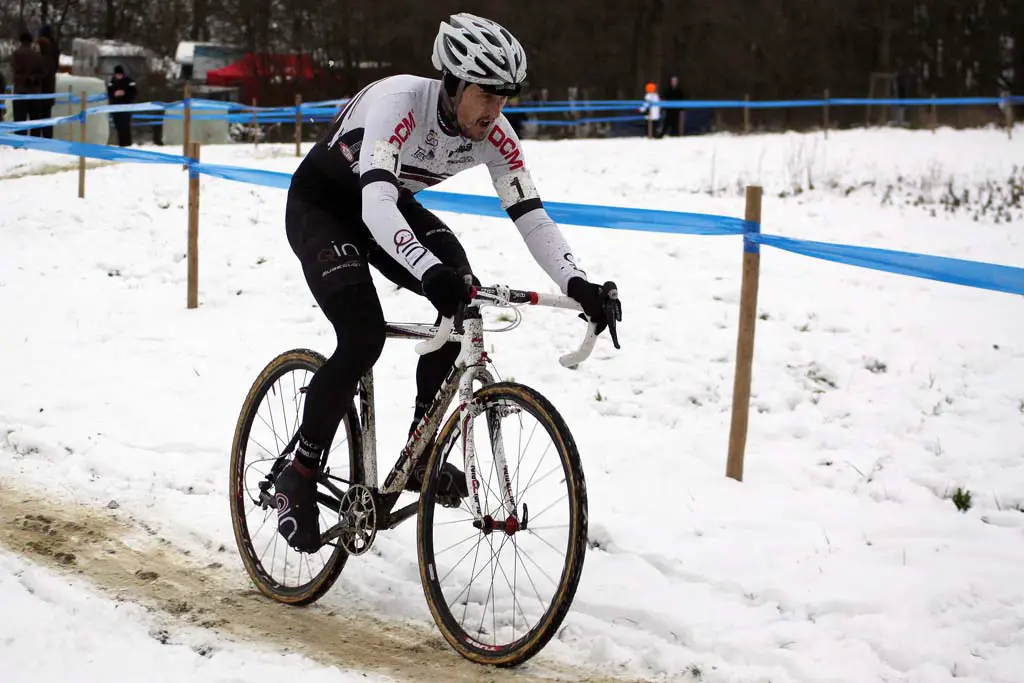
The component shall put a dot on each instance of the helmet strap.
(452, 88)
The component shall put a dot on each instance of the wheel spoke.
(284, 413)
(265, 449)
(539, 461)
(458, 543)
(539, 568)
(529, 576)
(542, 540)
(455, 521)
(515, 600)
(468, 590)
(457, 563)
(281, 442)
(472, 578)
(534, 516)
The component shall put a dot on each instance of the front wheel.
(499, 590)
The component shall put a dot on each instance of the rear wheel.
(266, 426)
(499, 591)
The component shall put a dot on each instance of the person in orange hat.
(651, 100)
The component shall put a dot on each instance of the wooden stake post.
(298, 125)
(255, 126)
(745, 340)
(1009, 117)
(193, 230)
(826, 113)
(81, 160)
(746, 115)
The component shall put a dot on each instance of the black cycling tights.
(358, 321)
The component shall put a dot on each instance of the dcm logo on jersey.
(403, 130)
(506, 147)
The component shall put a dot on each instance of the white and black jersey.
(388, 140)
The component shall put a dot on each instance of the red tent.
(251, 69)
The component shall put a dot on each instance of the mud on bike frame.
(465, 327)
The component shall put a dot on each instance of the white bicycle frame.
(470, 366)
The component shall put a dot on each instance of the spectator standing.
(653, 109)
(28, 80)
(673, 117)
(121, 90)
(50, 53)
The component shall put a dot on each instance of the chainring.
(358, 517)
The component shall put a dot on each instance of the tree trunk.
(198, 29)
(109, 19)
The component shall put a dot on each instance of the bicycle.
(503, 518)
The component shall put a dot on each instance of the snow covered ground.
(841, 557)
(56, 630)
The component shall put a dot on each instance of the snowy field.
(841, 557)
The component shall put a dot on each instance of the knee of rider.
(363, 341)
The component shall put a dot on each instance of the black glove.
(591, 298)
(445, 288)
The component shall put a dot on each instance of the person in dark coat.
(28, 80)
(121, 90)
(674, 91)
(51, 63)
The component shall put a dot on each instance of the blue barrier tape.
(615, 217)
(956, 271)
(647, 220)
(576, 122)
(86, 149)
(39, 123)
(621, 106)
(977, 274)
(750, 244)
(252, 176)
(57, 97)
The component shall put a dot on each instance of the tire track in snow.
(127, 562)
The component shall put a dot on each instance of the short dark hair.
(26, 38)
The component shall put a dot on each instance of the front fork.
(468, 411)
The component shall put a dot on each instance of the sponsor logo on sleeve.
(403, 130)
(407, 246)
(507, 147)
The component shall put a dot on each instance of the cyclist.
(352, 204)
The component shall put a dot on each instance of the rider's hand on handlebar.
(445, 289)
(600, 305)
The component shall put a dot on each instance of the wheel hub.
(511, 525)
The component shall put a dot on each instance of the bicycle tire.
(295, 359)
(534, 641)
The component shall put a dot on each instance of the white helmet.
(480, 51)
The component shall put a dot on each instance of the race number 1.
(515, 187)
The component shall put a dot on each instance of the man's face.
(477, 111)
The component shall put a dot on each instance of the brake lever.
(612, 310)
(460, 315)
(460, 311)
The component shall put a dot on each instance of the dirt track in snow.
(126, 562)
